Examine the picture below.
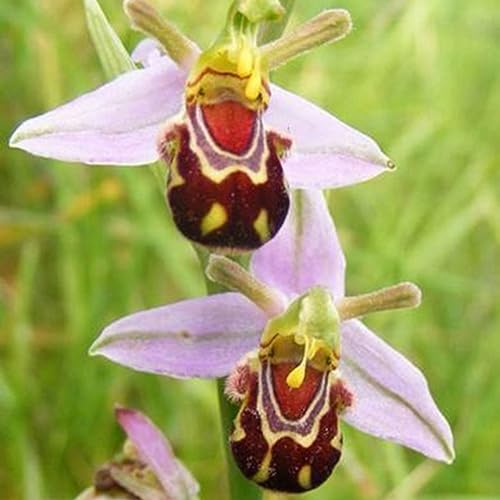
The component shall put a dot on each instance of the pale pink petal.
(306, 252)
(116, 124)
(326, 152)
(147, 52)
(155, 451)
(201, 337)
(391, 396)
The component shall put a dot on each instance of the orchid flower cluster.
(246, 161)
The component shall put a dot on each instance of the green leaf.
(112, 54)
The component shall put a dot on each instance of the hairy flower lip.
(392, 398)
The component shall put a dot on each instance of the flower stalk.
(239, 486)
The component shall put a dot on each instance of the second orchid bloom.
(298, 359)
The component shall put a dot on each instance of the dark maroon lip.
(242, 199)
(286, 454)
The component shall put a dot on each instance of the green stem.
(240, 488)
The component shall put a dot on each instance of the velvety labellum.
(289, 439)
(225, 186)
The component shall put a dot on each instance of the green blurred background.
(80, 246)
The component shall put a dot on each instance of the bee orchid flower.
(146, 469)
(234, 143)
(297, 357)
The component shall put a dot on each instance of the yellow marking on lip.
(238, 434)
(175, 178)
(245, 62)
(218, 176)
(257, 177)
(304, 477)
(273, 437)
(336, 441)
(215, 218)
(263, 473)
(211, 85)
(311, 347)
(261, 226)
(168, 145)
(254, 84)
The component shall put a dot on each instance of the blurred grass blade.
(439, 243)
(112, 54)
(7, 395)
(411, 485)
(20, 225)
(32, 481)
(21, 310)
